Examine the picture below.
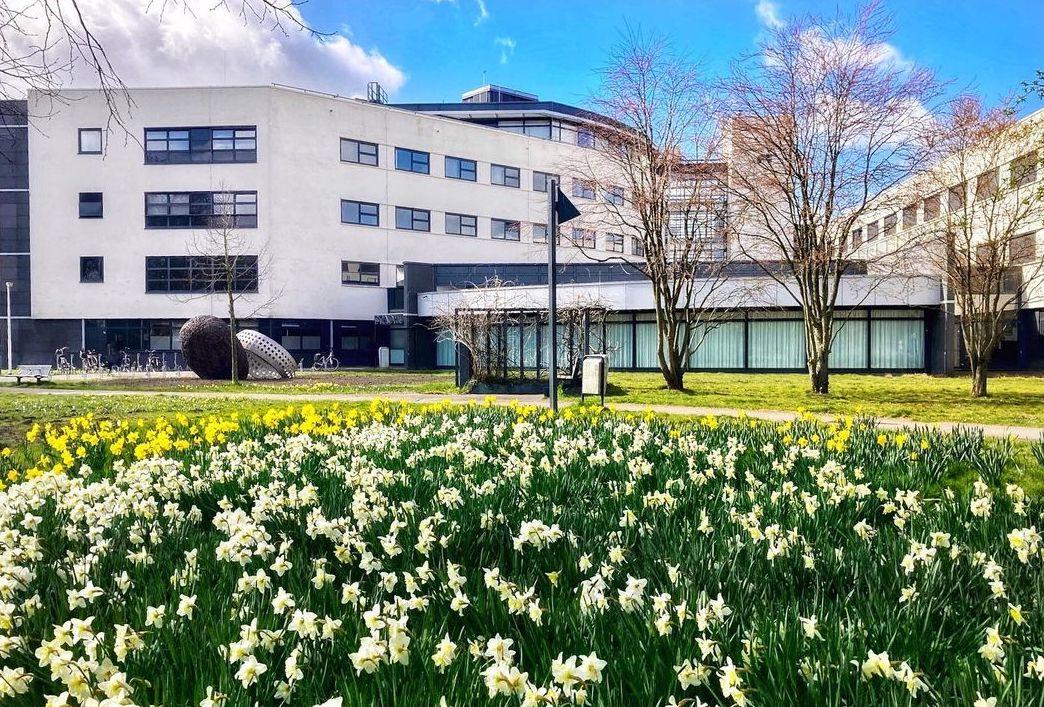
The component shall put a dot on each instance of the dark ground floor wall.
(878, 340)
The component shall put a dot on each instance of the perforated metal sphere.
(267, 356)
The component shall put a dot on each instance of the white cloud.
(507, 48)
(768, 14)
(483, 12)
(201, 42)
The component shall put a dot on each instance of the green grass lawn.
(375, 381)
(1013, 400)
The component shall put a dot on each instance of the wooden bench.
(29, 371)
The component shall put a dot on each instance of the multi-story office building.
(365, 220)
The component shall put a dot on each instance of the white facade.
(300, 181)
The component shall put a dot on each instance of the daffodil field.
(440, 555)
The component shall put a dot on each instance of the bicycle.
(152, 361)
(325, 362)
(90, 362)
(62, 361)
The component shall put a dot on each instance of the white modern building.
(364, 218)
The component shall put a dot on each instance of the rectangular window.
(585, 138)
(358, 152)
(504, 176)
(201, 145)
(412, 161)
(857, 238)
(199, 273)
(955, 199)
(407, 219)
(356, 273)
(931, 207)
(889, 224)
(583, 189)
(871, 230)
(90, 204)
(542, 181)
(637, 246)
(1024, 170)
(910, 216)
(584, 238)
(540, 233)
(614, 242)
(92, 269)
(460, 168)
(461, 225)
(90, 141)
(614, 195)
(1024, 249)
(503, 230)
(361, 213)
(201, 209)
(986, 185)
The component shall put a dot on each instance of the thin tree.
(825, 122)
(228, 262)
(984, 241)
(659, 182)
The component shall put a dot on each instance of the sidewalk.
(1031, 434)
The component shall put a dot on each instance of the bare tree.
(42, 42)
(227, 261)
(658, 169)
(983, 242)
(825, 122)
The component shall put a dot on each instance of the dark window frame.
(196, 209)
(371, 269)
(198, 144)
(584, 189)
(637, 247)
(414, 162)
(195, 274)
(412, 213)
(461, 173)
(460, 225)
(359, 144)
(507, 228)
(79, 141)
(614, 242)
(540, 237)
(546, 183)
(584, 238)
(100, 201)
(361, 216)
(84, 259)
(510, 177)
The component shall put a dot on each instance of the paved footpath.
(1016, 431)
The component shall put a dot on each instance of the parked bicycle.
(90, 361)
(325, 362)
(63, 361)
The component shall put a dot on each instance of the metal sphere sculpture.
(268, 358)
(206, 342)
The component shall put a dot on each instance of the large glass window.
(460, 168)
(583, 189)
(199, 273)
(503, 230)
(201, 209)
(637, 246)
(408, 219)
(359, 152)
(412, 161)
(614, 242)
(614, 195)
(504, 176)
(201, 145)
(540, 233)
(718, 345)
(584, 238)
(461, 225)
(92, 269)
(361, 213)
(90, 204)
(356, 273)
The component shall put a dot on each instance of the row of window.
(192, 145)
(184, 273)
(407, 160)
(187, 209)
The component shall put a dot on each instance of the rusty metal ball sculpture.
(206, 342)
(268, 359)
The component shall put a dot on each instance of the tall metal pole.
(552, 308)
(10, 360)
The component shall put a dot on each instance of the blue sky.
(554, 47)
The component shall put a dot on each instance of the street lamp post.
(10, 361)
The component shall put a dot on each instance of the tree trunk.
(232, 326)
(673, 376)
(819, 375)
(979, 378)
